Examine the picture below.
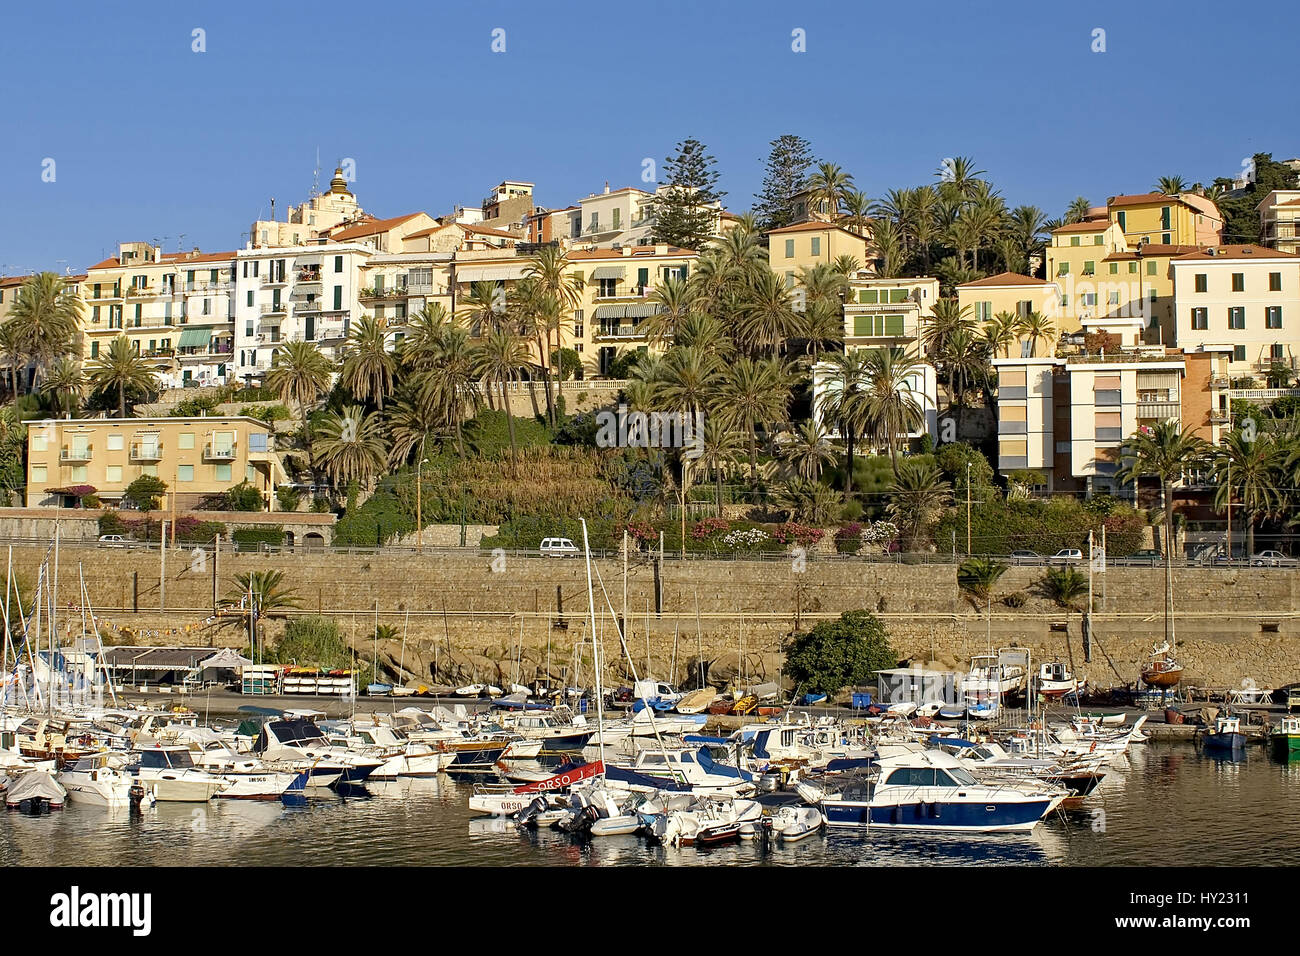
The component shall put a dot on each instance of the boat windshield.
(963, 777)
(165, 760)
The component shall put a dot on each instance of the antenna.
(315, 176)
(180, 243)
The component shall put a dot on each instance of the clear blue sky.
(152, 140)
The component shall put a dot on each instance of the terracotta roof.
(487, 232)
(813, 226)
(110, 263)
(1094, 225)
(371, 227)
(1004, 279)
(1153, 249)
(637, 252)
(1199, 203)
(1236, 252)
(180, 258)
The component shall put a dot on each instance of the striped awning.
(611, 312)
(193, 338)
(641, 310)
(491, 273)
(609, 272)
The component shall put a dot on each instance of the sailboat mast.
(595, 644)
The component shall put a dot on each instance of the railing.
(620, 332)
(274, 309)
(75, 453)
(144, 451)
(272, 280)
(1220, 381)
(220, 452)
(309, 276)
(1262, 394)
(1220, 418)
(1117, 358)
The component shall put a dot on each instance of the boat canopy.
(36, 783)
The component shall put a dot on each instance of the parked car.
(1272, 559)
(1025, 557)
(558, 548)
(115, 541)
(1066, 556)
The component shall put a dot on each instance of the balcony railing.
(274, 281)
(76, 452)
(214, 452)
(146, 451)
(1220, 418)
(620, 332)
(1220, 381)
(309, 276)
(274, 309)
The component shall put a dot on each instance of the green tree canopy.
(839, 653)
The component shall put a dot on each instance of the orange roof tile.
(1088, 225)
(1004, 279)
(1246, 251)
(813, 226)
(1151, 249)
(371, 227)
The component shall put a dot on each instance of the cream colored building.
(196, 457)
(888, 312)
(1279, 220)
(312, 219)
(1242, 301)
(809, 244)
(1013, 293)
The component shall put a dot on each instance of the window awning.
(191, 338)
(642, 310)
(608, 272)
(611, 312)
(491, 273)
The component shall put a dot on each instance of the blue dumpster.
(861, 701)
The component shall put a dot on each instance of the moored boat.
(1226, 735)
(1286, 739)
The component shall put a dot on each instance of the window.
(607, 288)
(789, 248)
(1239, 353)
(1275, 282)
(1114, 268)
(184, 472)
(1166, 238)
(1200, 320)
(249, 301)
(1089, 267)
(983, 311)
(1120, 218)
(1089, 298)
(40, 443)
(1200, 282)
(1096, 240)
(1112, 298)
(1273, 317)
(222, 471)
(338, 298)
(1238, 282)
(113, 474)
(816, 245)
(1275, 352)
(38, 474)
(617, 218)
(150, 470)
(78, 473)
(207, 306)
(1132, 268)
(1065, 301)
(185, 440)
(1164, 217)
(642, 278)
(1151, 267)
(338, 264)
(113, 442)
(1074, 240)
(1236, 317)
(257, 441)
(1063, 269)
(94, 349)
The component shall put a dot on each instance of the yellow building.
(314, 218)
(888, 313)
(196, 457)
(808, 244)
(1186, 219)
(1010, 292)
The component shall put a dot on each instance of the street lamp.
(968, 509)
(419, 512)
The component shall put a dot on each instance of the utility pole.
(1229, 483)
(419, 513)
(968, 509)
(162, 567)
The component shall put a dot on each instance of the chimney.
(607, 187)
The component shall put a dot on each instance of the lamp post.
(419, 511)
(968, 509)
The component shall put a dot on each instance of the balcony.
(146, 451)
(76, 452)
(398, 293)
(1220, 418)
(271, 282)
(276, 309)
(158, 353)
(617, 332)
(141, 291)
(222, 452)
(1160, 411)
(1220, 381)
(308, 277)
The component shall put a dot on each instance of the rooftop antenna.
(273, 209)
(180, 243)
(315, 176)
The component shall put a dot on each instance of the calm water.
(1174, 806)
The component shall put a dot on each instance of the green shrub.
(289, 498)
(251, 539)
(977, 577)
(195, 407)
(1014, 600)
(145, 492)
(110, 522)
(244, 497)
(312, 642)
(839, 653)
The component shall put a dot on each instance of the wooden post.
(162, 568)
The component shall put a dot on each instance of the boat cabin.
(166, 758)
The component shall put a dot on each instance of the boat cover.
(36, 783)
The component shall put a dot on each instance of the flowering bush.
(848, 540)
(642, 533)
(708, 527)
(880, 532)
(794, 533)
(745, 539)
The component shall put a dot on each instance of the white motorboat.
(169, 774)
(1056, 680)
(301, 742)
(100, 780)
(991, 677)
(792, 824)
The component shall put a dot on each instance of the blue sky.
(153, 140)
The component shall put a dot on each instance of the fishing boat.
(1226, 735)
(931, 790)
(1056, 680)
(1162, 670)
(1286, 739)
(100, 780)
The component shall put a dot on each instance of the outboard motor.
(527, 817)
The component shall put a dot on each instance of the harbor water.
(1175, 804)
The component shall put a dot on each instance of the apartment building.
(888, 313)
(310, 220)
(1241, 301)
(1187, 219)
(808, 244)
(609, 219)
(174, 308)
(1013, 293)
(1279, 220)
(196, 457)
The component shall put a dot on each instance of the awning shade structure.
(491, 273)
(192, 338)
(155, 659)
(226, 658)
(608, 272)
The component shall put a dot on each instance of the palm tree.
(719, 449)
(767, 316)
(12, 351)
(754, 393)
(888, 240)
(918, 496)
(424, 332)
(483, 307)
(1027, 225)
(893, 406)
(1036, 327)
(1064, 585)
(121, 367)
(368, 367)
(809, 501)
(300, 373)
(562, 294)
(960, 175)
(844, 401)
(809, 450)
(672, 300)
(1247, 474)
(1001, 332)
(705, 332)
(857, 205)
(65, 385)
(267, 593)
(1164, 453)
(977, 576)
(1171, 185)
(946, 317)
(685, 379)
(349, 446)
(499, 358)
(1077, 211)
(46, 316)
(830, 185)
(451, 383)
(964, 361)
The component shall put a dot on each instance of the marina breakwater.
(471, 616)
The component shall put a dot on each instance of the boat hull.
(1286, 745)
(1225, 741)
(962, 817)
(1162, 678)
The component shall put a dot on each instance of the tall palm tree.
(890, 255)
(46, 316)
(1247, 473)
(1165, 453)
(483, 308)
(767, 316)
(830, 185)
(1171, 185)
(1002, 332)
(12, 350)
(65, 385)
(1027, 226)
(369, 369)
(1077, 211)
(424, 332)
(499, 358)
(705, 332)
(964, 362)
(685, 380)
(451, 382)
(857, 206)
(561, 289)
(960, 174)
(1036, 327)
(810, 449)
(719, 448)
(844, 401)
(673, 301)
(918, 496)
(120, 367)
(299, 373)
(754, 393)
(349, 446)
(946, 317)
(894, 406)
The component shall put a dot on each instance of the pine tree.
(684, 209)
(787, 172)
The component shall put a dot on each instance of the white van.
(558, 548)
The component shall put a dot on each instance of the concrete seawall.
(470, 615)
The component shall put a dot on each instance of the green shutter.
(893, 325)
(897, 295)
(1151, 268)
(867, 297)
(789, 248)
(862, 325)
(1114, 268)
(643, 277)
